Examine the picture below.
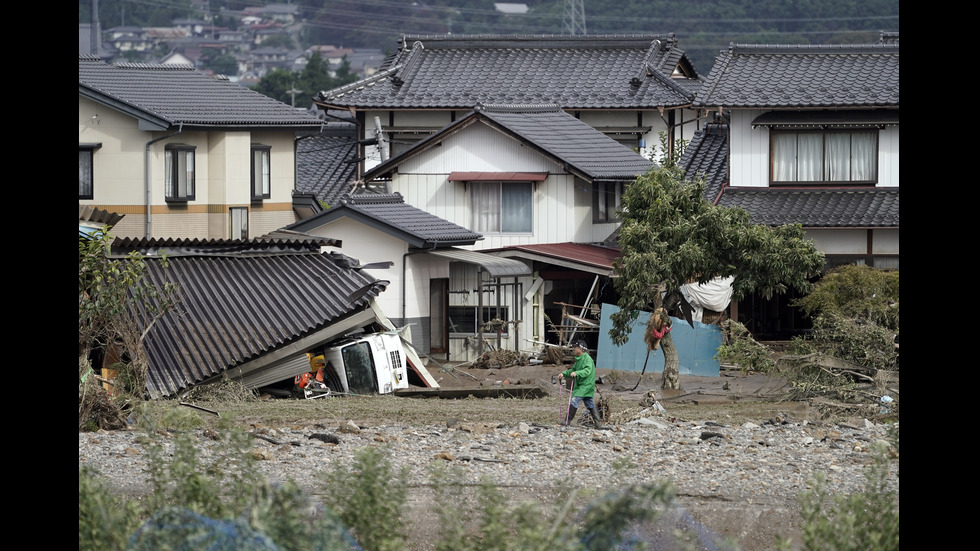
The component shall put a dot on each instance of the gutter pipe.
(146, 173)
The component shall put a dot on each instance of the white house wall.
(368, 245)
(750, 152)
(562, 205)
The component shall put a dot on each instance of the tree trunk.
(671, 363)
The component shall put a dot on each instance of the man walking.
(582, 373)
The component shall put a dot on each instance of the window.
(501, 207)
(179, 173)
(85, 175)
(239, 223)
(462, 320)
(261, 181)
(606, 200)
(825, 157)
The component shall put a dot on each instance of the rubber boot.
(571, 414)
(596, 418)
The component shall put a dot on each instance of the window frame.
(824, 133)
(266, 192)
(469, 318)
(610, 213)
(476, 191)
(173, 153)
(90, 150)
(242, 214)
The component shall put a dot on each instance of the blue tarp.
(696, 348)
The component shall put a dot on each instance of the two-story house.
(805, 134)
(629, 87)
(182, 154)
(538, 186)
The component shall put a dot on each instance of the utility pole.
(292, 94)
(573, 18)
(95, 38)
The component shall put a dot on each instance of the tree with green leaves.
(313, 79)
(117, 306)
(671, 236)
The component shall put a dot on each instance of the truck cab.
(368, 364)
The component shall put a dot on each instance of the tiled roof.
(234, 308)
(388, 212)
(569, 139)
(171, 95)
(575, 72)
(817, 208)
(706, 156)
(585, 150)
(805, 76)
(325, 166)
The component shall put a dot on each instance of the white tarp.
(714, 295)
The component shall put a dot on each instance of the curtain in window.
(186, 173)
(486, 206)
(838, 157)
(515, 215)
(784, 157)
(864, 148)
(168, 173)
(810, 157)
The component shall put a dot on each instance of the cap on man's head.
(582, 345)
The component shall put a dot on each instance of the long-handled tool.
(570, 392)
(561, 386)
(644, 369)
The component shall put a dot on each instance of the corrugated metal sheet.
(235, 308)
(496, 266)
(696, 347)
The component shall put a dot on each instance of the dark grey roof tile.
(326, 166)
(458, 71)
(805, 76)
(817, 208)
(180, 94)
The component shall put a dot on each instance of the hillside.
(703, 27)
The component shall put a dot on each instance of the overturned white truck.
(360, 364)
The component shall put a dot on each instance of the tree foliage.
(117, 306)
(313, 79)
(671, 236)
(856, 292)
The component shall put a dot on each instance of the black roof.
(575, 72)
(390, 213)
(326, 166)
(804, 76)
(817, 208)
(239, 301)
(168, 95)
(556, 134)
(706, 156)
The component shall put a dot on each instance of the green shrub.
(104, 519)
(369, 496)
(859, 522)
(856, 292)
(742, 350)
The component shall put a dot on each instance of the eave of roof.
(580, 256)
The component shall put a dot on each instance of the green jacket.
(584, 369)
